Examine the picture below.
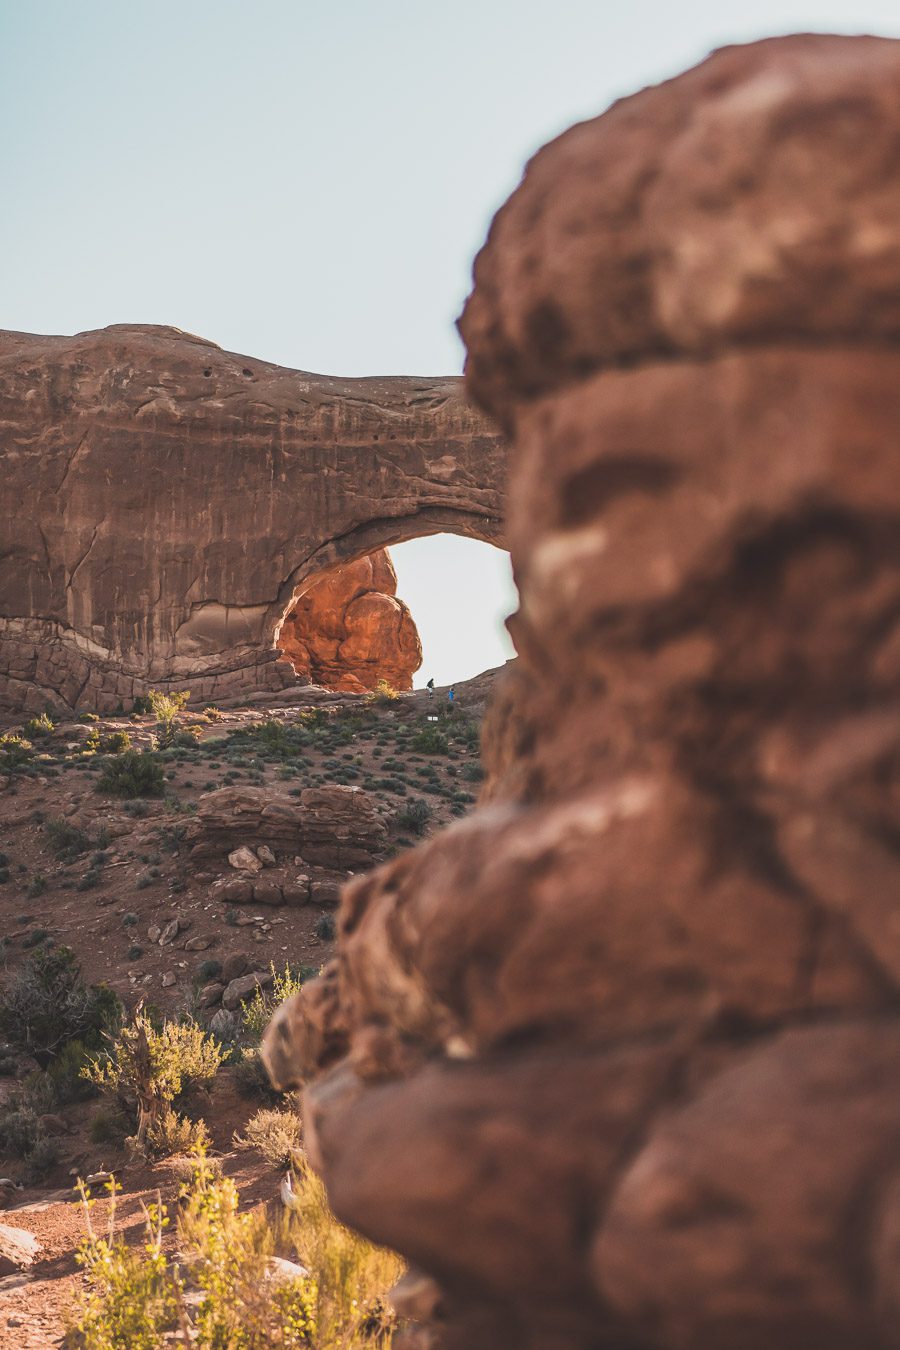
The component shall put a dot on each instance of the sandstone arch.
(164, 499)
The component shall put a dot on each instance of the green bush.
(66, 841)
(277, 1135)
(414, 816)
(134, 1296)
(257, 1013)
(152, 1066)
(45, 1004)
(15, 751)
(37, 726)
(166, 708)
(135, 773)
(115, 743)
(430, 741)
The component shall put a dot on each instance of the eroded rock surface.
(164, 501)
(616, 1060)
(349, 630)
(333, 826)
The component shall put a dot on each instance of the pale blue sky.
(307, 181)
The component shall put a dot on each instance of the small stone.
(170, 932)
(296, 891)
(199, 943)
(223, 1024)
(154, 932)
(245, 860)
(243, 988)
(168, 979)
(233, 966)
(233, 890)
(53, 1124)
(266, 856)
(267, 893)
(211, 994)
(298, 861)
(325, 892)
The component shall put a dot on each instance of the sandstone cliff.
(617, 1059)
(164, 501)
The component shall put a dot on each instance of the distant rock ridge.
(164, 501)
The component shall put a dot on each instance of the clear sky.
(307, 181)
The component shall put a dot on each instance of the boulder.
(243, 987)
(245, 860)
(348, 630)
(614, 1059)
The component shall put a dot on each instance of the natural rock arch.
(164, 500)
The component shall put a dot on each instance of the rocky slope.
(164, 502)
(349, 630)
(616, 1059)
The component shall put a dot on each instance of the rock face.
(165, 501)
(349, 630)
(333, 826)
(617, 1059)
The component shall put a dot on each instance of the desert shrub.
(15, 751)
(41, 1159)
(134, 1297)
(473, 773)
(36, 886)
(38, 726)
(171, 1133)
(165, 708)
(430, 741)
(325, 927)
(137, 808)
(251, 1077)
(66, 841)
(150, 1067)
(45, 1004)
(209, 969)
(20, 1130)
(65, 1078)
(115, 743)
(257, 1013)
(277, 1135)
(131, 1296)
(384, 692)
(414, 816)
(136, 773)
(109, 1125)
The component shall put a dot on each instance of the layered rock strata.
(334, 826)
(617, 1059)
(349, 630)
(165, 501)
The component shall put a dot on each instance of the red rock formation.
(348, 630)
(617, 1059)
(164, 501)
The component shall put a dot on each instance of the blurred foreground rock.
(616, 1060)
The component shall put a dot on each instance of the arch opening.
(431, 608)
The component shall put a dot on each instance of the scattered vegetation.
(136, 773)
(45, 1004)
(277, 1135)
(229, 1291)
(147, 1069)
(257, 1013)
